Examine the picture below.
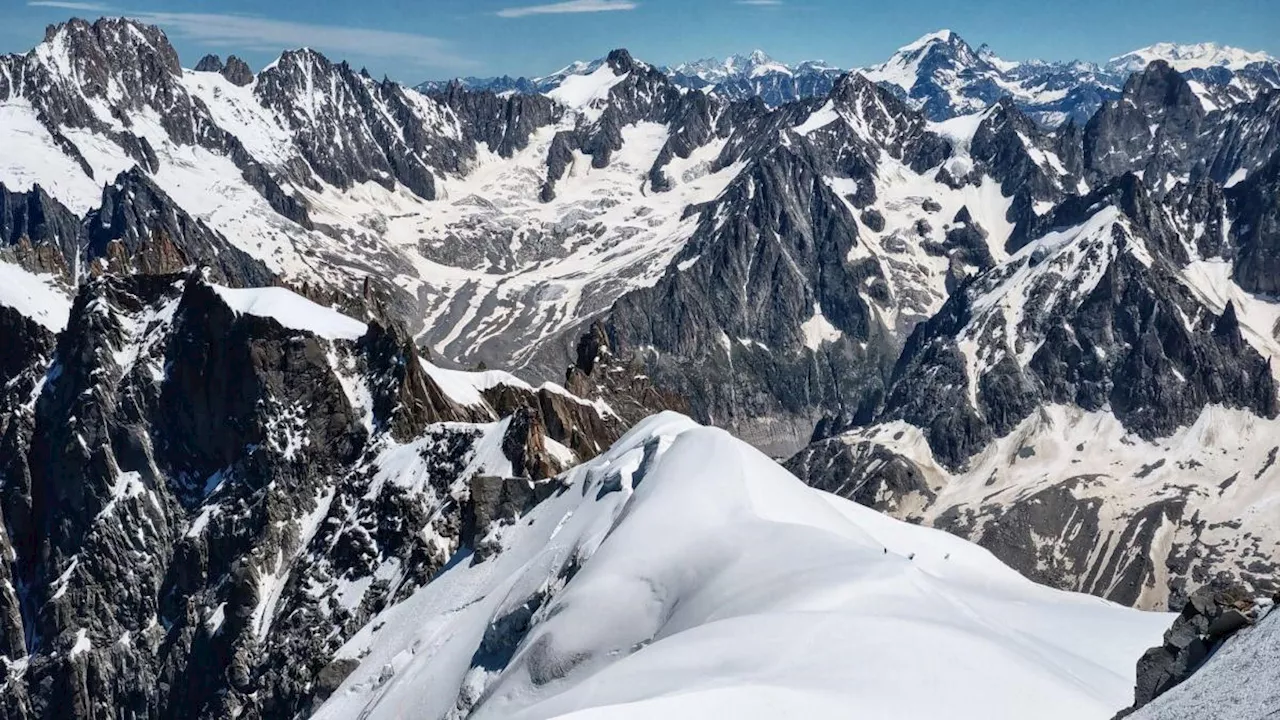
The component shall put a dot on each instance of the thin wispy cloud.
(80, 6)
(759, 3)
(248, 32)
(571, 6)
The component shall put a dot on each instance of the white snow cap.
(1189, 57)
(35, 296)
(711, 582)
(292, 311)
(943, 36)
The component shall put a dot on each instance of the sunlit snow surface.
(713, 583)
(292, 311)
(35, 296)
(1189, 57)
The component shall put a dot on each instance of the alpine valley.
(734, 387)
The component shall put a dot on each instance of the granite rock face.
(237, 71)
(38, 232)
(139, 229)
(194, 491)
(1097, 320)
(365, 130)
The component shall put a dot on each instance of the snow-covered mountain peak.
(577, 67)
(944, 36)
(580, 91)
(739, 66)
(617, 63)
(77, 37)
(297, 58)
(935, 54)
(989, 55)
(1189, 57)
(116, 59)
(666, 576)
(758, 63)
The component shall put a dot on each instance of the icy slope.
(684, 573)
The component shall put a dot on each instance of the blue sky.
(412, 40)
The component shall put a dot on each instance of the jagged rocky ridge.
(944, 77)
(851, 171)
(136, 229)
(207, 490)
(1010, 413)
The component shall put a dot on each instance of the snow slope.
(684, 574)
(292, 311)
(1224, 463)
(502, 270)
(35, 296)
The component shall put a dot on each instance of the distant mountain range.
(944, 76)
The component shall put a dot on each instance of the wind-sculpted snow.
(684, 574)
(292, 311)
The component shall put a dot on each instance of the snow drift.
(685, 574)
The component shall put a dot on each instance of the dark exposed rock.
(1000, 149)
(1142, 130)
(140, 229)
(168, 444)
(237, 71)
(210, 63)
(630, 393)
(496, 500)
(1158, 373)
(504, 124)
(642, 94)
(1210, 617)
(868, 474)
(38, 232)
(368, 132)
(1255, 205)
(126, 67)
(780, 225)
(405, 399)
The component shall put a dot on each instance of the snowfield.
(292, 311)
(34, 296)
(683, 574)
